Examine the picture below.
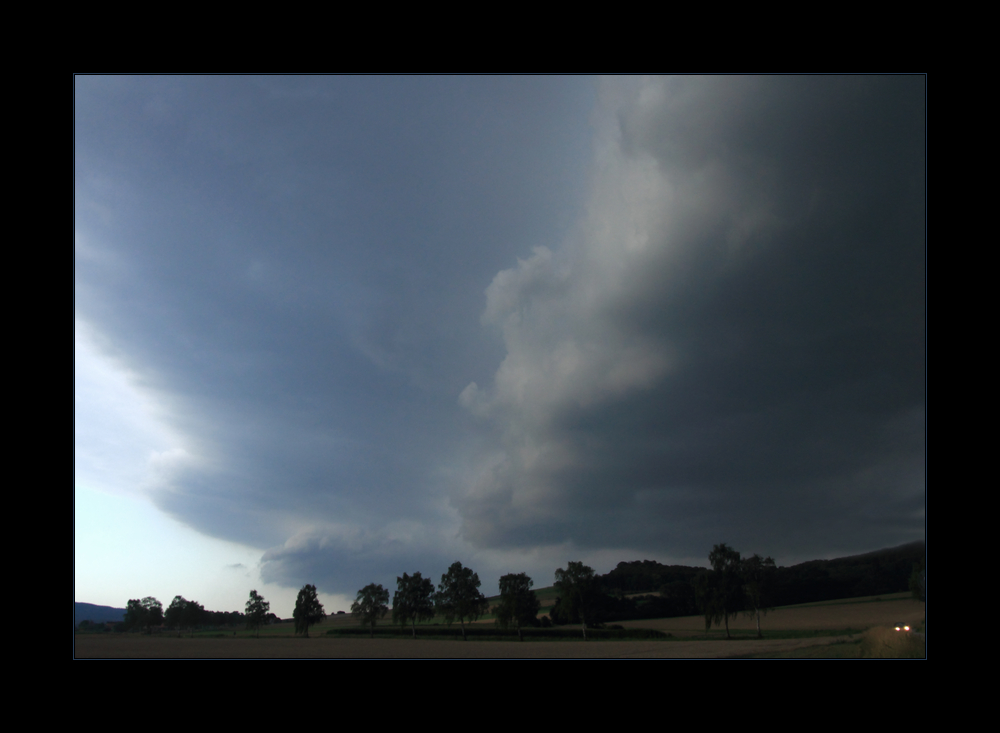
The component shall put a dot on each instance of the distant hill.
(873, 573)
(882, 571)
(97, 614)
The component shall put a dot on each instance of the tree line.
(457, 598)
(734, 585)
(148, 613)
(890, 570)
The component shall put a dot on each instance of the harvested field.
(811, 625)
(134, 646)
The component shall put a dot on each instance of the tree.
(174, 614)
(308, 610)
(184, 614)
(144, 614)
(720, 592)
(371, 605)
(257, 609)
(194, 615)
(758, 573)
(518, 604)
(458, 596)
(578, 590)
(413, 600)
(134, 615)
(154, 613)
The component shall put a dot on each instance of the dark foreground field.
(132, 646)
(827, 629)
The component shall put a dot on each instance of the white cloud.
(122, 442)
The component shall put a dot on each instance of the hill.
(97, 614)
(669, 589)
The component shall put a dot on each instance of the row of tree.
(458, 598)
(734, 585)
(148, 613)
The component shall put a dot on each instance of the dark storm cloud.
(294, 268)
(733, 348)
(708, 292)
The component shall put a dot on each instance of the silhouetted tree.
(758, 574)
(413, 600)
(144, 614)
(134, 615)
(183, 613)
(518, 604)
(720, 592)
(308, 610)
(174, 614)
(371, 605)
(194, 615)
(578, 592)
(458, 596)
(256, 611)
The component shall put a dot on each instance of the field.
(823, 630)
(849, 614)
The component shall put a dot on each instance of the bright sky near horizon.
(333, 329)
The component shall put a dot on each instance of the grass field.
(833, 629)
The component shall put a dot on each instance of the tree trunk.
(461, 621)
(414, 625)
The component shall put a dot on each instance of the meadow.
(846, 628)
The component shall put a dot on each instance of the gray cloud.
(291, 269)
(703, 316)
(732, 345)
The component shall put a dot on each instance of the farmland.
(818, 629)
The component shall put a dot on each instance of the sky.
(331, 329)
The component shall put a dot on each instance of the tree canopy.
(458, 596)
(256, 611)
(518, 604)
(134, 615)
(183, 613)
(413, 600)
(144, 614)
(371, 605)
(308, 610)
(578, 591)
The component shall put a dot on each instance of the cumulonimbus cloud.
(716, 327)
